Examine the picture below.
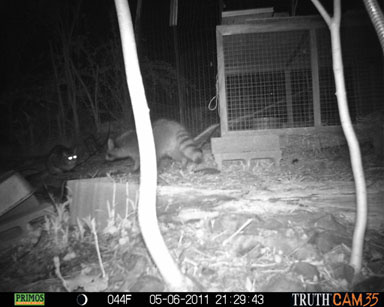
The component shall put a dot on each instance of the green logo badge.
(31, 299)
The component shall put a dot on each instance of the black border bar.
(267, 299)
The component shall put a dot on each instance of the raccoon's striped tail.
(188, 147)
(205, 136)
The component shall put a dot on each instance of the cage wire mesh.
(268, 77)
(268, 80)
(364, 67)
(180, 76)
(196, 45)
(198, 69)
(157, 61)
(363, 72)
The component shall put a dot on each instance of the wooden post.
(178, 73)
(315, 79)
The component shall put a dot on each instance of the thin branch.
(327, 18)
(350, 135)
(336, 12)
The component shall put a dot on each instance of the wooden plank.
(333, 197)
(315, 79)
(290, 24)
(330, 197)
(246, 148)
(245, 144)
(312, 130)
(90, 197)
(221, 85)
(274, 65)
(247, 12)
(288, 131)
(275, 156)
(246, 18)
(282, 24)
(14, 189)
(15, 226)
(23, 218)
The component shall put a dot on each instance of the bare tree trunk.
(148, 173)
(139, 7)
(353, 144)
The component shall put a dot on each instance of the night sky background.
(37, 34)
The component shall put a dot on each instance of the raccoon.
(61, 159)
(124, 146)
(171, 140)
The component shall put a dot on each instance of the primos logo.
(35, 299)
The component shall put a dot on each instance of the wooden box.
(246, 148)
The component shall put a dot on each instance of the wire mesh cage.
(181, 73)
(277, 73)
(363, 73)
